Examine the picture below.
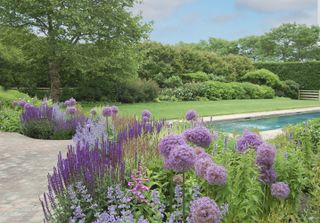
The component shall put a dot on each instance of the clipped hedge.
(307, 74)
(214, 90)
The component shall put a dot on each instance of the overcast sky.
(194, 20)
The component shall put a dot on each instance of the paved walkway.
(24, 164)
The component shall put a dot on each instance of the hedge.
(307, 74)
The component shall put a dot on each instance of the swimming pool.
(262, 124)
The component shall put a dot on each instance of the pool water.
(262, 124)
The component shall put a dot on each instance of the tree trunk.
(54, 70)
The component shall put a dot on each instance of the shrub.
(289, 89)
(133, 91)
(39, 129)
(173, 82)
(9, 119)
(195, 77)
(262, 77)
(214, 90)
(306, 74)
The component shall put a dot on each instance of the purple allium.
(107, 111)
(267, 175)
(168, 143)
(201, 166)
(72, 110)
(280, 190)
(199, 136)
(27, 106)
(248, 140)
(146, 113)
(21, 103)
(200, 153)
(181, 158)
(114, 110)
(216, 175)
(266, 154)
(205, 210)
(191, 115)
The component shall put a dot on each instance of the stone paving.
(24, 164)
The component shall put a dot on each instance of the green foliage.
(9, 119)
(288, 88)
(7, 97)
(237, 66)
(214, 90)
(262, 77)
(306, 74)
(38, 129)
(195, 77)
(173, 82)
(132, 91)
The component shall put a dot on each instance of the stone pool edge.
(240, 116)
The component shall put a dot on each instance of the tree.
(66, 24)
(250, 46)
(292, 42)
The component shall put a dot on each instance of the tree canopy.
(66, 25)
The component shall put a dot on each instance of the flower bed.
(147, 171)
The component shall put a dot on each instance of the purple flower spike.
(248, 140)
(280, 190)
(191, 115)
(216, 175)
(266, 154)
(27, 106)
(181, 158)
(205, 210)
(168, 143)
(107, 111)
(199, 136)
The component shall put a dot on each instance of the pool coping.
(253, 115)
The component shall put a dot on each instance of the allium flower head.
(21, 103)
(280, 190)
(201, 165)
(248, 140)
(181, 158)
(266, 154)
(267, 175)
(191, 115)
(200, 153)
(27, 106)
(115, 110)
(169, 142)
(205, 210)
(107, 111)
(71, 102)
(146, 113)
(72, 110)
(216, 175)
(199, 136)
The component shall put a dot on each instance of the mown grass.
(174, 110)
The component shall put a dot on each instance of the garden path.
(24, 164)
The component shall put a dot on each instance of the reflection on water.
(262, 124)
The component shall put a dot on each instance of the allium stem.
(183, 199)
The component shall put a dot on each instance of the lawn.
(172, 110)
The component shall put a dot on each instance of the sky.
(195, 20)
